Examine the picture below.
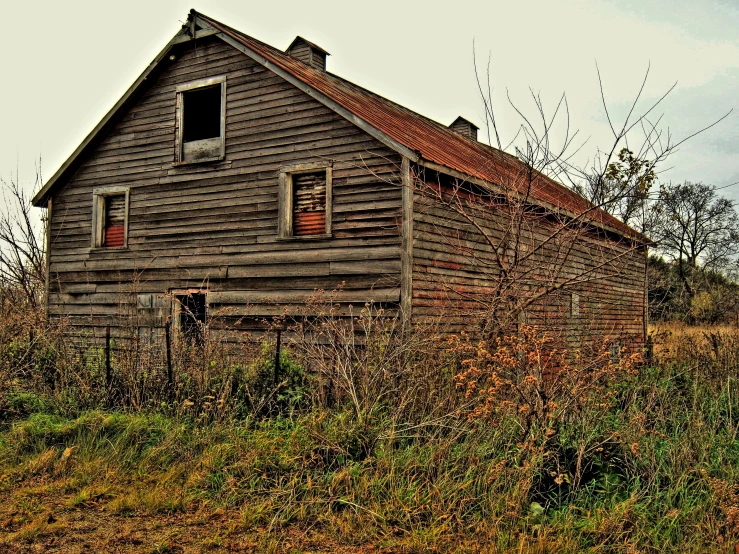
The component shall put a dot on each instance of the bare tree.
(697, 229)
(22, 243)
(527, 249)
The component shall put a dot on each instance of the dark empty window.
(202, 113)
(115, 221)
(309, 203)
(192, 315)
(201, 120)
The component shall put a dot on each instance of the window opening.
(614, 350)
(192, 317)
(309, 203)
(575, 304)
(115, 221)
(110, 217)
(201, 120)
(202, 113)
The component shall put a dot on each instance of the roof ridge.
(490, 147)
(414, 135)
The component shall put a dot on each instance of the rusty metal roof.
(418, 137)
(431, 140)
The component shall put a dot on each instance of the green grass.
(659, 474)
(646, 463)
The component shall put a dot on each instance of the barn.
(233, 180)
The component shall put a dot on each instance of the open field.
(640, 459)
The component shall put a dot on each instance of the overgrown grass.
(660, 474)
(399, 442)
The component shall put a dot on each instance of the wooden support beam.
(179, 39)
(47, 254)
(406, 249)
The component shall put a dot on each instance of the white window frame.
(98, 216)
(214, 148)
(285, 200)
(615, 350)
(575, 304)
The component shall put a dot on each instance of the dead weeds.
(42, 515)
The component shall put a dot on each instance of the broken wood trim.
(201, 83)
(47, 260)
(406, 249)
(202, 33)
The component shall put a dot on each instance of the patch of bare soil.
(42, 518)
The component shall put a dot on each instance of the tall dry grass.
(375, 432)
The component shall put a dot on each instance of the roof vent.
(463, 127)
(308, 53)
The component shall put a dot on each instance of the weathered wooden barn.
(233, 180)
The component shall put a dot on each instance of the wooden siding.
(464, 128)
(306, 53)
(301, 51)
(453, 266)
(215, 225)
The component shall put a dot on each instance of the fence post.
(278, 347)
(107, 359)
(167, 340)
(31, 348)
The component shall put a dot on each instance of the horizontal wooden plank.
(300, 297)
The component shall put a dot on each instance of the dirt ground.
(39, 519)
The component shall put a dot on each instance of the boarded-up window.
(110, 217)
(575, 304)
(304, 207)
(309, 203)
(115, 221)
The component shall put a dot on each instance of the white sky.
(64, 64)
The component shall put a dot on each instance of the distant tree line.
(692, 268)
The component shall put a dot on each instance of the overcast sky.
(64, 64)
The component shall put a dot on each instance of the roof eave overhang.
(414, 156)
(183, 35)
(498, 189)
(209, 28)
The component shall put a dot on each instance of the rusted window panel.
(115, 221)
(309, 203)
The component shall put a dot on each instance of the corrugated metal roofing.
(431, 140)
